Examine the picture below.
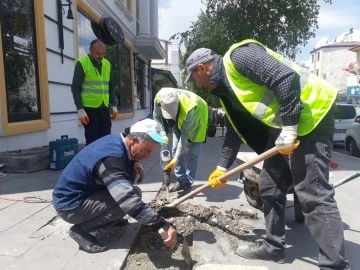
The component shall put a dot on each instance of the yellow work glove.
(166, 138)
(286, 143)
(114, 112)
(171, 165)
(213, 178)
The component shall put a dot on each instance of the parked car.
(345, 115)
(352, 138)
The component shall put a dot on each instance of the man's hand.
(171, 165)
(114, 112)
(213, 178)
(139, 170)
(171, 240)
(83, 117)
(286, 142)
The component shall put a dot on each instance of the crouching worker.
(95, 191)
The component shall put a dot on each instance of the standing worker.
(261, 90)
(93, 92)
(187, 113)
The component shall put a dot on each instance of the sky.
(176, 16)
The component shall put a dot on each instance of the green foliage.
(282, 25)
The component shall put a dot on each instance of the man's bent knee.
(138, 191)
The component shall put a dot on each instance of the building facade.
(40, 42)
(171, 62)
(329, 61)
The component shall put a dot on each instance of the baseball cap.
(199, 56)
(150, 127)
(169, 105)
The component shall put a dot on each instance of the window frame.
(9, 129)
(84, 8)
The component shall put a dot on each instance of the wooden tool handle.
(273, 151)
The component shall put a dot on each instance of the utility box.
(62, 151)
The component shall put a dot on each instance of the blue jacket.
(76, 182)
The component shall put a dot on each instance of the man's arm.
(157, 116)
(230, 147)
(112, 172)
(76, 85)
(188, 124)
(252, 61)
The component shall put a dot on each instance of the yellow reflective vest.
(317, 95)
(95, 88)
(187, 101)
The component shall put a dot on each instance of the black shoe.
(122, 222)
(179, 186)
(258, 252)
(86, 241)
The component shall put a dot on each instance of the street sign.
(353, 86)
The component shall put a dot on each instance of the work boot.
(86, 241)
(179, 186)
(258, 252)
(122, 222)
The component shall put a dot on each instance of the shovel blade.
(185, 252)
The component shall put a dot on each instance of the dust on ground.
(149, 251)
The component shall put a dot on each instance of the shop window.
(140, 80)
(19, 51)
(120, 59)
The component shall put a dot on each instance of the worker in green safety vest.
(271, 101)
(93, 92)
(188, 115)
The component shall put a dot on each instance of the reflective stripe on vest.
(189, 100)
(317, 95)
(95, 88)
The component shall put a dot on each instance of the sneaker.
(258, 252)
(179, 186)
(86, 241)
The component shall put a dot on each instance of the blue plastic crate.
(62, 151)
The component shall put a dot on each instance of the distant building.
(171, 62)
(330, 59)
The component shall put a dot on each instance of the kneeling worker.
(95, 191)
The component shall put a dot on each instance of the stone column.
(144, 18)
(154, 18)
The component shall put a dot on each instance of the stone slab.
(20, 238)
(18, 212)
(112, 259)
(229, 267)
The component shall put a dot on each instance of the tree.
(281, 25)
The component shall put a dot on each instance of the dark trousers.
(97, 214)
(99, 123)
(310, 175)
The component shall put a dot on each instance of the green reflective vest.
(187, 101)
(317, 95)
(95, 88)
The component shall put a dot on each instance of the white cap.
(169, 105)
(150, 127)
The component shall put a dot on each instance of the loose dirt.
(149, 251)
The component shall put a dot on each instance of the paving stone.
(18, 239)
(18, 212)
(229, 267)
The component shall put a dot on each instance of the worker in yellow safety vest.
(188, 114)
(93, 92)
(270, 101)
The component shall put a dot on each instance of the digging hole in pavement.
(149, 251)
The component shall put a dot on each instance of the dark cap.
(200, 56)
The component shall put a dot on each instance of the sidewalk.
(32, 238)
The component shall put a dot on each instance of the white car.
(345, 115)
(352, 138)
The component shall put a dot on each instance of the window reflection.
(20, 59)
